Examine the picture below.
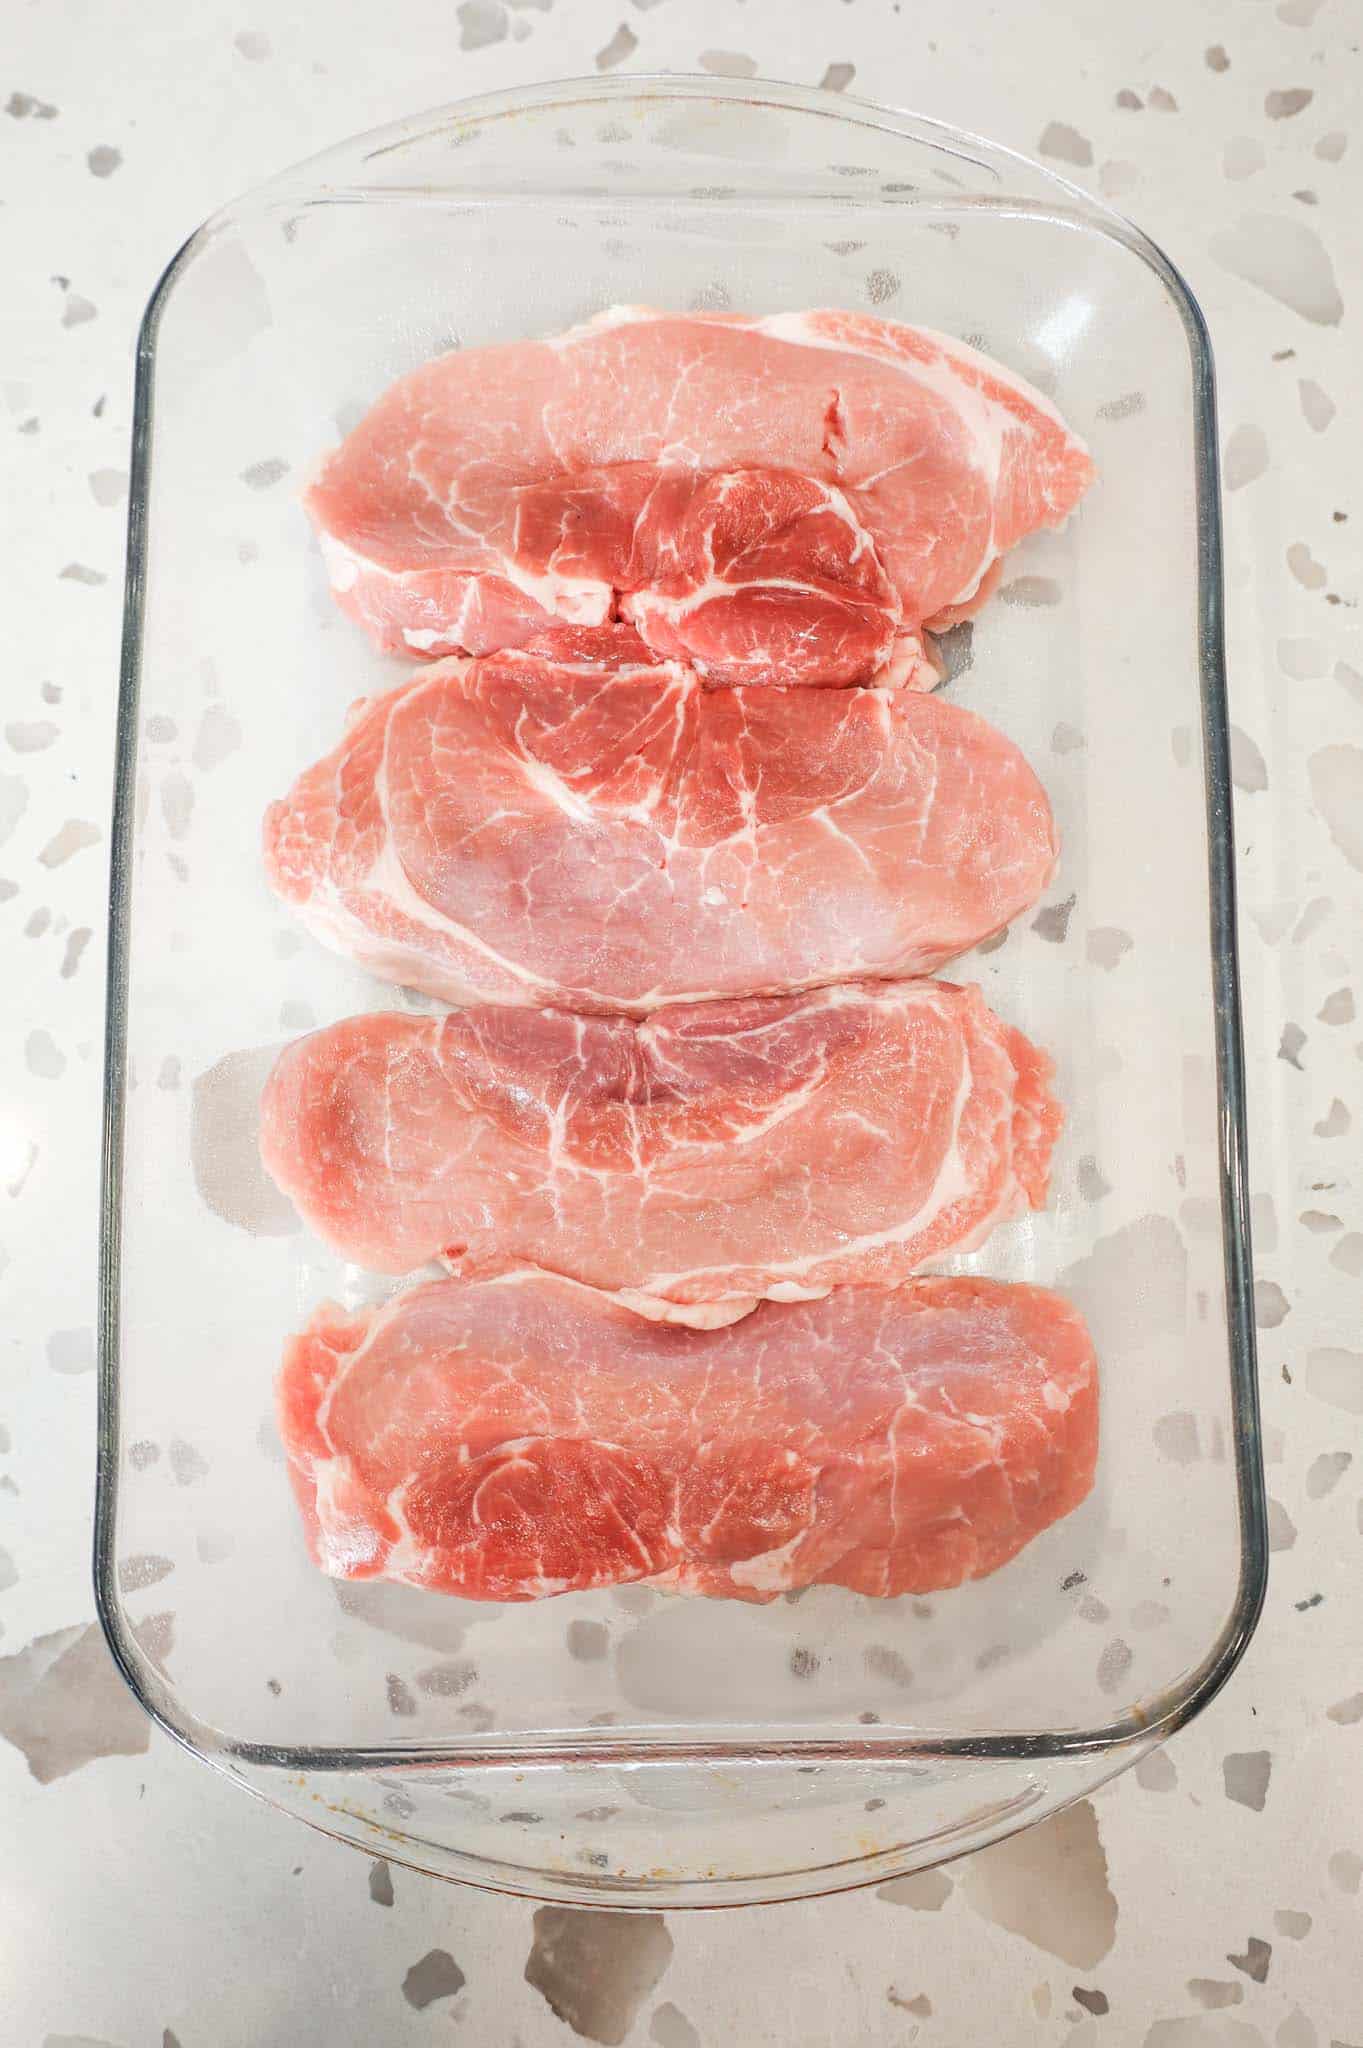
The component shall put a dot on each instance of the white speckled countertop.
(1213, 1895)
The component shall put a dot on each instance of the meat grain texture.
(539, 830)
(519, 1437)
(696, 1162)
(694, 1098)
(784, 500)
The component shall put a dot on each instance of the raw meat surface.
(513, 1438)
(781, 500)
(712, 1155)
(521, 829)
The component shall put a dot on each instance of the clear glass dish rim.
(1178, 1702)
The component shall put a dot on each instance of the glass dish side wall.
(281, 321)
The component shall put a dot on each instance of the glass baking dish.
(630, 1747)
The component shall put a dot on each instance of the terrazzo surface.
(1211, 1897)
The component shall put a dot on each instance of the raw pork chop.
(717, 1153)
(787, 500)
(523, 830)
(511, 1438)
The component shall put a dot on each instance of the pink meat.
(712, 1155)
(513, 1438)
(614, 837)
(781, 500)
